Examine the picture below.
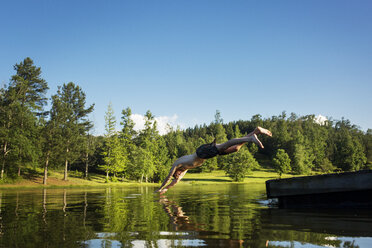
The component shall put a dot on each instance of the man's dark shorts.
(208, 151)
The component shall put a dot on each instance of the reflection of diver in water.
(181, 222)
(270, 227)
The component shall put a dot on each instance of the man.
(184, 163)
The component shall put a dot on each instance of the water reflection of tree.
(349, 244)
(220, 217)
(1, 216)
(234, 215)
(41, 221)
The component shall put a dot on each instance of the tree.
(88, 151)
(148, 145)
(368, 147)
(144, 159)
(217, 117)
(29, 86)
(282, 162)
(221, 137)
(118, 157)
(21, 102)
(7, 110)
(240, 164)
(5, 113)
(219, 133)
(349, 149)
(49, 142)
(71, 118)
(127, 133)
(161, 160)
(110, 135)
(127, 136)
(302, 158)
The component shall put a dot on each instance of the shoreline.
(98, 181)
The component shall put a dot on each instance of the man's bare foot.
(261, 130)
(256, 140)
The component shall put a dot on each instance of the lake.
(189, 215)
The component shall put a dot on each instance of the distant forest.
(35, 138)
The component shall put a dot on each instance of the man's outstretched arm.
(173, 183)
(168, 178)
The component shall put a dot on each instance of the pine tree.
(89, 143)
(127, 136)
(148, 147)
(219, 133)
(118, 157)
(48, 144)
(161, 160)
(21, 102)
(110, 137)
(30, 88)
(71, 120)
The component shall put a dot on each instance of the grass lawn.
(55, 179)
(259, 176)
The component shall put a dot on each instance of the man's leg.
(260, 130)
(234, 145)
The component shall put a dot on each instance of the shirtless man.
(184, 163)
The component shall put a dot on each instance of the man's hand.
(162, 191)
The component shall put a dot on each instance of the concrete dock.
(337, 190)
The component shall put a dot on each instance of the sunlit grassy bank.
(259, 176)
(55, 179)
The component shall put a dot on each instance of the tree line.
(61, 137)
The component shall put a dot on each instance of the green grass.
(34, 179)
(219, 176)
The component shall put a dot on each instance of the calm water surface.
(223, 215)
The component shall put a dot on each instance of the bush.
(282, 162)
(241, 163)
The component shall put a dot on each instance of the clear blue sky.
(190, 58)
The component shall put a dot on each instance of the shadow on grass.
(254, 177)
(31, 174)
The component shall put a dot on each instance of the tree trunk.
(107, 176)
(20, 160)
(46, 169)
(141, 178)
(2, 169)
(4, 156)
(86, 165)
(146, 179)
(66, 166)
